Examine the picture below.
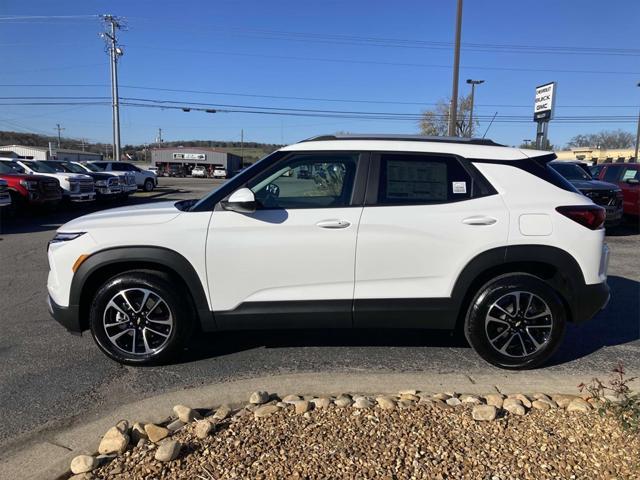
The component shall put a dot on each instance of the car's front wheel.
(148, 185)
(139, 318)
(516, 321)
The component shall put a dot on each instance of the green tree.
(435, 122)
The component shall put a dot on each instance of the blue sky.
(289, 48)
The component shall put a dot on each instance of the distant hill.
(252, 151)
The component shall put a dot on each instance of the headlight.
(65, 237)
(29, 184)
(101, 183)
(74, 186)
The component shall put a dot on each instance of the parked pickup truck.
(107, 186)
(127, 180)
(29, 190)
(75, 188)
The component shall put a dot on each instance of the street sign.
(545, 102)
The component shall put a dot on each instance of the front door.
(291, 262)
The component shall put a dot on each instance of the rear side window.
(612, 174)
(422, 179)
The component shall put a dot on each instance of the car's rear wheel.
(140, 318)
(516, 321)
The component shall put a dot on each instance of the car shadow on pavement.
(617, 324)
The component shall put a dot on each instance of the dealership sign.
(545, 102)
(189, 156)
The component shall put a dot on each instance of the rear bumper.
(66, 316)
(589, 300)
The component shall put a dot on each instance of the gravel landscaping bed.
(409, 435)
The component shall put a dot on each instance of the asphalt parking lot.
(49, 376)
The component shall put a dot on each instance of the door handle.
(479, 220)
(333, 224)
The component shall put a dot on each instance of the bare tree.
(606, 139)
(435, 122)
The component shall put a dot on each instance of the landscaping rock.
(386, 403)
(302, 406)
(222, 412)
(563, 400)
(494, 399)
(168, 450)
(203, 428)
(540, 405)
(291, 399)
(322, 402)
(155, 433)
(186, 414)
(408, 392)
(175, 425)
(410, 396)
(137, 432)
(83, 463)
(514, 406)
(523, 399)
(259, 397)
(484, 413)
(362, 402)
(342, 402)
(578, 405)
(265, 411)
(123, 426)
(441, 396)
(470, 399)
(114, 441)
(453, 401)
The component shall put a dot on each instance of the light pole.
(114, 53)
(638, 132)
(453, 109)
(473, 84)
(527, 142)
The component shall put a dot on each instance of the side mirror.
(242, 201)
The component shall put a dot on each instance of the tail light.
(590, 216)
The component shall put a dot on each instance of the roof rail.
(405, 138)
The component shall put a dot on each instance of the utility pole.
(113, 23)
(453, 109)
(473, 84)
(82, 144)
(638, 133)
(59, 128)
(159, 139)
(242, 146)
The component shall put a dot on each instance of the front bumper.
(589, 300)
(82, 197)
(112, 190)
(68, 317)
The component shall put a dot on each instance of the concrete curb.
(50, 455)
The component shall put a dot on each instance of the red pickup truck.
(28, 190)
(627, 176)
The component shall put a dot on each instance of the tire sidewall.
(492, 291)
(148, 185)
(157, 284)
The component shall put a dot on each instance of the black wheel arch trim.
(568, 279)
(165, 258)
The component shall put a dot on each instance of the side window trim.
(480, 186)
(358, 191)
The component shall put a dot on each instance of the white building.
(42, 153)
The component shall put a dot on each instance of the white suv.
(382, 231)
(145, 179)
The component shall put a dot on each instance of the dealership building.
(183, 159)
(44, 153)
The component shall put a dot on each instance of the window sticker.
(459, 187)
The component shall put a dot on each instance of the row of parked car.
(25, 182)
(613, 186)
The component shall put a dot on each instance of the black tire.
(492, 319)
(175, 307)
(148, 185)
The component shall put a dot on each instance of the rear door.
(425, 217)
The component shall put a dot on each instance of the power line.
(378, 62)
(283, 97)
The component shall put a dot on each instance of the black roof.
(407, 138)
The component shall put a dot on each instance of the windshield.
(73, 168)
(571, 171)
(92, 167)
(10, 167)
(57, 166)
(39, 167)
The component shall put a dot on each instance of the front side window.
(571, 171)
(11, 167)
(421, 179)
(307, 181)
